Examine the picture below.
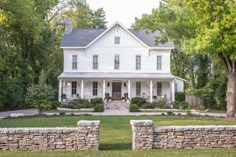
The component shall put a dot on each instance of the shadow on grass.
(115, 146)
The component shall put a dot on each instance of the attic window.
(117, 40)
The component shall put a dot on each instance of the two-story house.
(116, 62)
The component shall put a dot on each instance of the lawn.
(115, 135)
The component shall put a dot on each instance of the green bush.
(99, 108)
(149, 105)
(81, 101)
(55, 104)
(181, 105)
(180, 96)
(78, 105)
(170, 113)
(96, 101)
(133, 108)
(138, 101)
(161, 103)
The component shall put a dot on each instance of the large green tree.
(204, 27)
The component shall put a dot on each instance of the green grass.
(115, 134)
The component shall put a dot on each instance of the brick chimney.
(68, 26)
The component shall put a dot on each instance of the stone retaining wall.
(147, 136)
(83, 137)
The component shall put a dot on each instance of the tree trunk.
(231, 95)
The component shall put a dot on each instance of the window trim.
(138, 65)
(138, 90)
(117, 40)
(117, 63)
(74, 62)
(159, 64)
(159, 88)
(95, 88)
(73, 88)
(95, 64)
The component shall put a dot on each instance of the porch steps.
(117, 105)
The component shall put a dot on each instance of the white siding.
(128, 48)
(180, 85)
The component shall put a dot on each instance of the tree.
(98, 18)
(40, 95)
(205, 27)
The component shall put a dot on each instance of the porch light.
(108, 84)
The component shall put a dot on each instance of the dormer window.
(117, 40)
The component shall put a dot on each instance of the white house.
(116, 62)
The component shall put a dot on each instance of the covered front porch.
(116, 89)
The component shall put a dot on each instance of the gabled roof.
(82, 38)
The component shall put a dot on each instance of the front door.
(116, 90)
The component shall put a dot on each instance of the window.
(117, 40)
(176, 87)
(95, 61)
(159, 89)
(117, 62)
(138, 62)
(138, 88)
(73, 88)
(95, 88)
(159, 62)
(74, 62)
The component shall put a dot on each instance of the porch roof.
(115, 75)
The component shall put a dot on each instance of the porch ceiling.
(115, 75)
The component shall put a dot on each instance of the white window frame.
(95, 62)
(159, 62)
(74, 62)
(117, 40)
(159, 88)
(138, 89)
(95, 88)
(138, 61)
(73, 88)
(117, 62)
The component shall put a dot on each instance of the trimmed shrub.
(55, 104)
(180, 96)
(182, 105)
(170, 113)
(133, 108)
(138, 101)
(96, 101)
(81, 101)
(78, 105)
(99, 108)
(149, 105)
(161, 103)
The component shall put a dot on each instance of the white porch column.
(59, 90)
(172, 90)
(103, 89)
(150, 90)
(82, 89)
(129, 85)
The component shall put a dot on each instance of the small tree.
(40, 95)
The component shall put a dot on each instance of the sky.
(124, 11)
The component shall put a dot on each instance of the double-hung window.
(95, 61)
(138, 62)
(159, 89)
(159, 62)
(117, 40)
(73, 87)
(74, 61)
(117, 62)
(95, 88)
(138, 88)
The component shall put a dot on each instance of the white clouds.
(124, 11)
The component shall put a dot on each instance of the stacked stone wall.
(83, 137)
(147, 136)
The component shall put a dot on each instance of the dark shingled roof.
(82, 37)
